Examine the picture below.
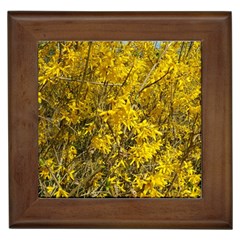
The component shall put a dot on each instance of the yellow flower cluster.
(119, 119)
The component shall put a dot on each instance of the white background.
(120, 5)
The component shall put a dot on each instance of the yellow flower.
(44, 172)
(61, 193)
(50, 189)
(131, 108)
(70, 175)
(39, 97)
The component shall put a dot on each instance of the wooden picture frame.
(212, 211)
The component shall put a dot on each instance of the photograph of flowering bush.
(119, 119)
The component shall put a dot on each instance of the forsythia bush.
(119, 119)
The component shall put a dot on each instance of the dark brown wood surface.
(213, 210)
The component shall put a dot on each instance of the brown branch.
(150, 84)
(96, 83)
(85, 68)
(191, 145)
(154, 67)
(181, 50)
(54, 178)
(87, 182)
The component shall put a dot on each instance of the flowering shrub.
(119, 119)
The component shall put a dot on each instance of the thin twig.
(96, 83)
(181, 50)
(154, 67)
(150, 84)
(49, 120)
(54, 178)
(190, 143)
(85, 69)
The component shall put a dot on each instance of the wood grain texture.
(213, 210)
